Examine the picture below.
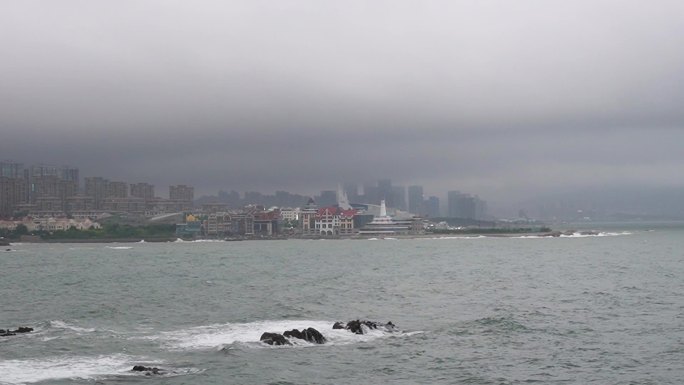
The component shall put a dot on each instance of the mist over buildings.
(513, 101)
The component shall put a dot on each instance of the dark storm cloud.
(498, 98)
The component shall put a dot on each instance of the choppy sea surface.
(605, 309)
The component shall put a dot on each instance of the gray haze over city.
(511, 100)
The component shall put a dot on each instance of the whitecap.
(63, 325)
(65, 367)
(119, 247)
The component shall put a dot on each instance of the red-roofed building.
(333, 221)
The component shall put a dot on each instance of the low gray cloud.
(504, 99)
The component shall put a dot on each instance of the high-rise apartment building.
(96, 188)
(142, 190)
(182, 192)
(116, 190)
(10, 169)
(12, 193)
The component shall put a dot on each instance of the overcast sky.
(506, 99)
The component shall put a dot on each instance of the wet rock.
(356, 326)
(148, 370)
(274, 339)
(21, 329)
(309, 334)
(589, 232)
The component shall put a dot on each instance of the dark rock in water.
(313, 335)
(310, 334)
(274, 339)
(356, 326)
(21, 329)
(147, 370)
(294, 333)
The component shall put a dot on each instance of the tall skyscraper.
(327, 198)
(352, 191)
(465, 206)
(370, 194)
(385, 191)
(397, 198)
(432, 207)
(415, 200)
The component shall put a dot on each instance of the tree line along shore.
(166, 232)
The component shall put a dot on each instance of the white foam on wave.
(64, 325)
(179, 240)
(53, 368)
(219, 335)
(207, 240)
(575, 235)
(119, 247)
(579, 234)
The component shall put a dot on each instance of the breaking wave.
(219, 336)
(54, 368)
(577, 234)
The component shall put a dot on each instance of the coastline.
(554, 234)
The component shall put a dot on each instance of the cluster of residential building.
(51, 191)
(49, 224)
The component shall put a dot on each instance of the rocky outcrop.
(20, 330)
(274, 339)
(147, 370)
(356, 326)
(314, 336)
(310, 334)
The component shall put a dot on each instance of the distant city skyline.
(598, 201)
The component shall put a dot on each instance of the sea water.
(605, 309)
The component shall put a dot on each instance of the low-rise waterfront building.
(384, 225)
